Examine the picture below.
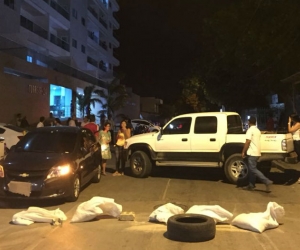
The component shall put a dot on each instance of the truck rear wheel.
(236, 170)
(140, 164)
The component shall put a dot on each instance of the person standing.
(251, 151)
(121, 153)
(41, 123)
(57, 122)
(85, 121)
(104, 140)
(294, 128)
(92, 125)
(72, 122)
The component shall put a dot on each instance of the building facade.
(52, 49)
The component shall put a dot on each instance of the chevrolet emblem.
(24, 175)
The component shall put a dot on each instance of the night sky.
(159, 40)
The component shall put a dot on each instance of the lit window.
(29, 59)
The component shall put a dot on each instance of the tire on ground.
(191, 228)
(236, 170)
(140, 164)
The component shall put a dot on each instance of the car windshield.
(56, 142)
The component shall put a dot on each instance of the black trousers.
(121, 158)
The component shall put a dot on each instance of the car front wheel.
(140, 164)
(75, 189)
(236, 170)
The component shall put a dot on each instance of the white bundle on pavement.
(37, 214)
(164, 212)
(216, 212)
(94, 207)
(259, 222)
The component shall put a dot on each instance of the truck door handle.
(184, 139)
(212, 139)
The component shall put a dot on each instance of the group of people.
(105, 139)
(252, 151)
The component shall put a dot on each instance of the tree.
(248, 48)
(112, 98)
(86, 100)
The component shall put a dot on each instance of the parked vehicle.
(141, 126)
(212, 139)
(11, 133)
(51, 162)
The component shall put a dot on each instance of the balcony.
(29, 25)
(60, 43)
(92, 61)
(92, 36)
(103, 45)
(61, 10)
(102, 66)
(94, 13)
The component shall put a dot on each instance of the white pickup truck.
(212, 139)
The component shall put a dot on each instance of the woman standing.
(294, 128)
(104, 140)
(121, 155)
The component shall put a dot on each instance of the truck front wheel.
(236, 170)
(140, 164)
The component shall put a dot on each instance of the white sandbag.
(259, 222)
(94, 207)
(216, 212)
(36, 214)
(164, 212)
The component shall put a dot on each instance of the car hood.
(32, 161)
(142, 138)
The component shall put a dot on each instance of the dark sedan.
(51, 162)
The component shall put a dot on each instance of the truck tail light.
(284, 145)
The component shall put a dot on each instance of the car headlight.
(59, 171)
(1, 172)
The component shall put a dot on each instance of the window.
(83, 49)
(60, 101)
(74, 43)
(206, 125)
(83, 21)
(10, 3)
(234, 124)
(74, 13)
(29, 59)
(178, 126)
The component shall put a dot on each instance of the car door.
(174, 143)
(205, 140)
(87, 163)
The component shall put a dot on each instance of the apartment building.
(52, 49)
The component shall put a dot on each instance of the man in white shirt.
(251, 150)
(41, 123)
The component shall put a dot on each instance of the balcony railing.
(29, 25)
(60, 43)
(61, 10)
(12, 48)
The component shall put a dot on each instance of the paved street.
(183, 186)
